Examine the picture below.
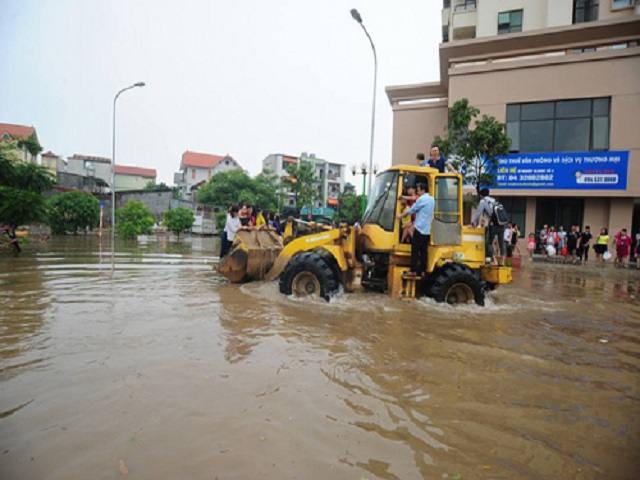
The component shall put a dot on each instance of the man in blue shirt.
(423, 208)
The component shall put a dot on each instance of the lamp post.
(364, 172)
(113, 173)
(356, 16)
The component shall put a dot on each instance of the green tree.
(73, 211)
(227, 187)
(303, 184)
(232, 186)
(21, 192)
(179, 220)
(350, 207)
(268, 189)
(474, 144)
(134, 219)
(157, 187)
(30, 144)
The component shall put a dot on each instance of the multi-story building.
(133, 178)
(278, 163)
(329, 176)
(564, 75)
(197, 168)
(9, 131)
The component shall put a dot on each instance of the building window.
(466, 5)
(585, 10)
(510, 22)
(621, 4)
(561, 126)
(193, 174)
(559, 212)
(516, 207)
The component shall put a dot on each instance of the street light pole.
(113, 173)
(356, 16)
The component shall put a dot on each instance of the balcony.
(464, 19)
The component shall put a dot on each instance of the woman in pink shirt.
(622, 243)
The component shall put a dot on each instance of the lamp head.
(356, 16)
(139, 84)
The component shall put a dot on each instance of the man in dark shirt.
(584, 242)
(441, 163)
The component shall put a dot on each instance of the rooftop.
(137, 171)
(16, 130)
(201, 160)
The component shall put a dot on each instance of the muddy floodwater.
(163, 370)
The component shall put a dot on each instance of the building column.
(620, 215)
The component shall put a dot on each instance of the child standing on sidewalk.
(531, 245)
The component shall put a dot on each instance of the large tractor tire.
(308, 274)
(457, 284)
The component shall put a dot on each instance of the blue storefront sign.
(564, 170)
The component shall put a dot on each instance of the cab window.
(447, 208)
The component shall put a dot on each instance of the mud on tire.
(308, 274)
(455, 284)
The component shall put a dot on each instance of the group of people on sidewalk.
(574, 246)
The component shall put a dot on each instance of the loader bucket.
(251, 255)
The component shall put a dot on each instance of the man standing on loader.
(423, 208)
(494, 229)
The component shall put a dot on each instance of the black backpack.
(500, 215)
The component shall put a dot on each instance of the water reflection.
(540, 384)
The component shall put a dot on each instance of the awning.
(332, 201)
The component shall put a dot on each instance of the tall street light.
(113, 173)
(356, 16)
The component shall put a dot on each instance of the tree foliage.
(179, 220)
(233, 186)
(302, 182)
(473, 145)
(134, 219)
(157, 187)
(30, 144)
(21, 191)
(73, 211)
(350, 207)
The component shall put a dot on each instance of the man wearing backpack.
(488, 206)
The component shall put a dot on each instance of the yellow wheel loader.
(311, 259)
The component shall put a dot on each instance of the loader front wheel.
(457, 284)
(308, 274)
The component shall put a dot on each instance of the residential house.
(88, 166)
(9, 131)
(133, 178)
(197, 168)
(50, 160)
(564, 76)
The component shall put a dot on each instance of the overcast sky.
(244, 78)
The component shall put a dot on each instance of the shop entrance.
(559, 211)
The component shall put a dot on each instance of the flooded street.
(164, 370)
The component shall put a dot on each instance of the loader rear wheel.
(457, 284)
(308, 274)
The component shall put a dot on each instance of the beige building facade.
(133, 178)
(564, 75)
